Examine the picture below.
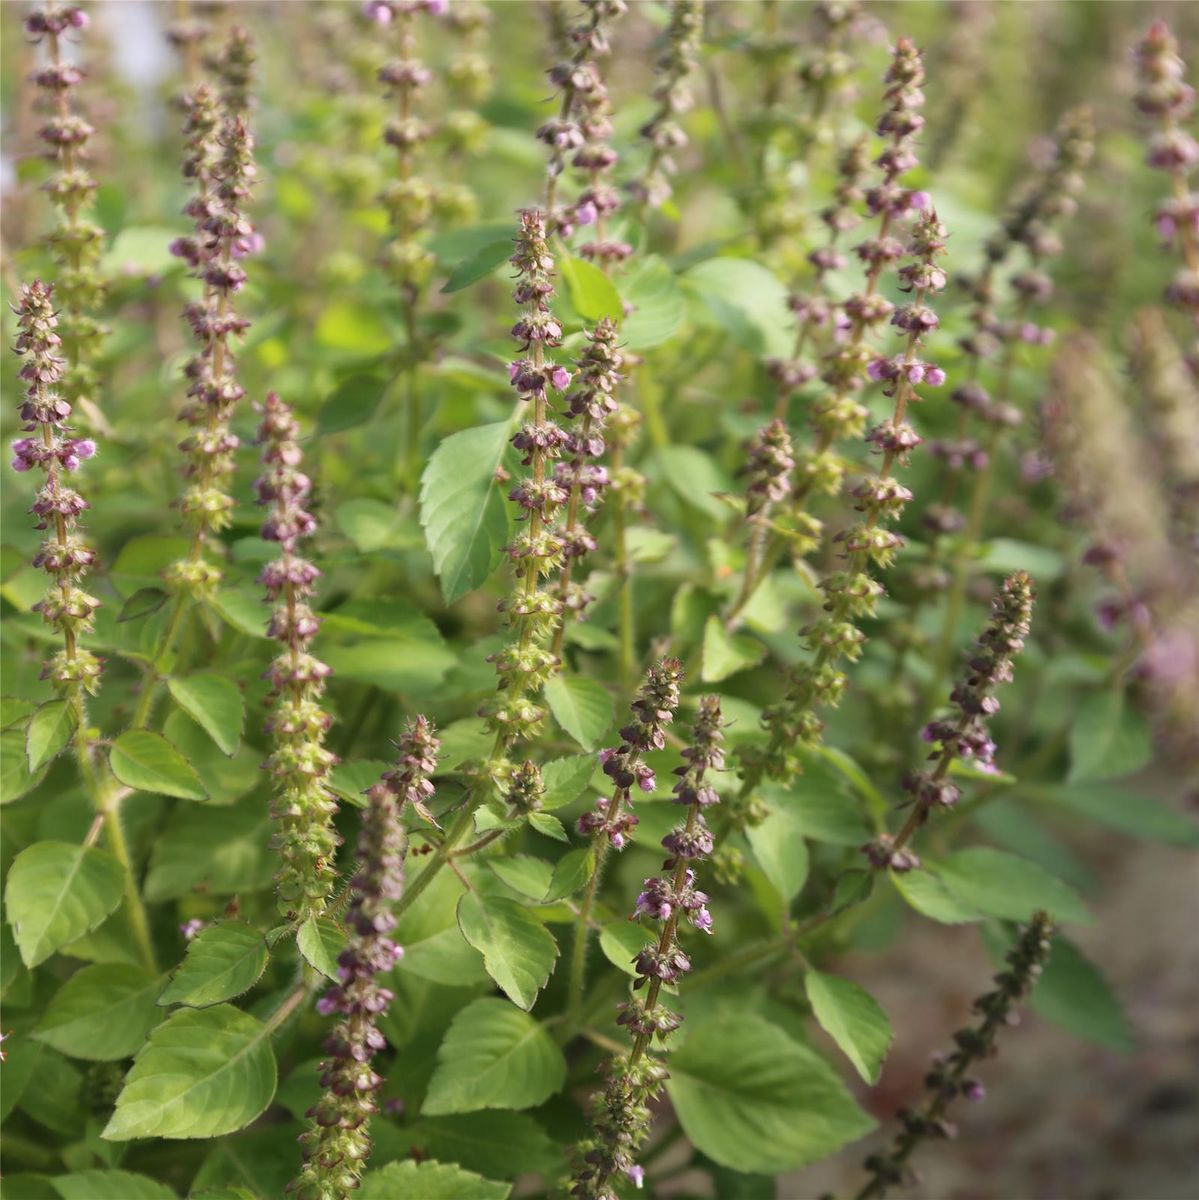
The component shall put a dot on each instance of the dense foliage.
(539, 527)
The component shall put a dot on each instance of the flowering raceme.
(621, 1112)
(338, 1144)
(77, 241)
(304, 807)
(54, 452)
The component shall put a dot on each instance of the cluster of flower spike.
(1047, 200)
(769, 463)
(949, 1078)
(580, 133)
(187, 35)
(1165, 95)
(469, 78)
(303, 806)
(590, 401)
(64, 555)
(77, 242)
(337, 1146)
(408, 199)
(840, 416)
(852, 593)
(220, 163)
(819, 321)
(653, 709)
(965, 735)
(622, 1113)
(526, 663)
(675, 65)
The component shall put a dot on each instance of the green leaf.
(222, 961)
(349, 780)
(353, 328)
(215, 704)
(225, 778)
(1072, 992)
(925, 893)
(727, 653)
(566, 779)
(320, 940)
(820, 808)
(646, 545)
(21, 1185)
(745, 300)
(1108, 740)
(571, 872)
(548, 825)
(524, 874)
(622, 941)
(102, 1013)
(351, 403)
(49, 730)
(217, 850)
(1002, 556)
(592, 293)
(372, 525)
(462, 507)
(14, 711)
(16, 779)
(262, 1160)
(498, 1144)
(396, 665)
(657, 301)
(518, 951)
(468, 740)
(204, 1072)
(737, 1185)
(111, 1185)
(57, 892)
(456, 244)
(1003, 885)
(750, 1098)
(851, 888)
(434, 948)
(694, 476)
(1124, 809)
(143, 603)
(494, 1056)
(853, 1019)
(144, 248)
(478, 265)
(581, 706)
(147, 762)
(243, 610)
(429, 1181)
(782, 853)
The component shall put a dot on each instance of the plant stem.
(627, 654)
(106, 798)
(309, 981)
(582, 929)
(145, 703)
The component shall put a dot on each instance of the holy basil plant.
(543, 535)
